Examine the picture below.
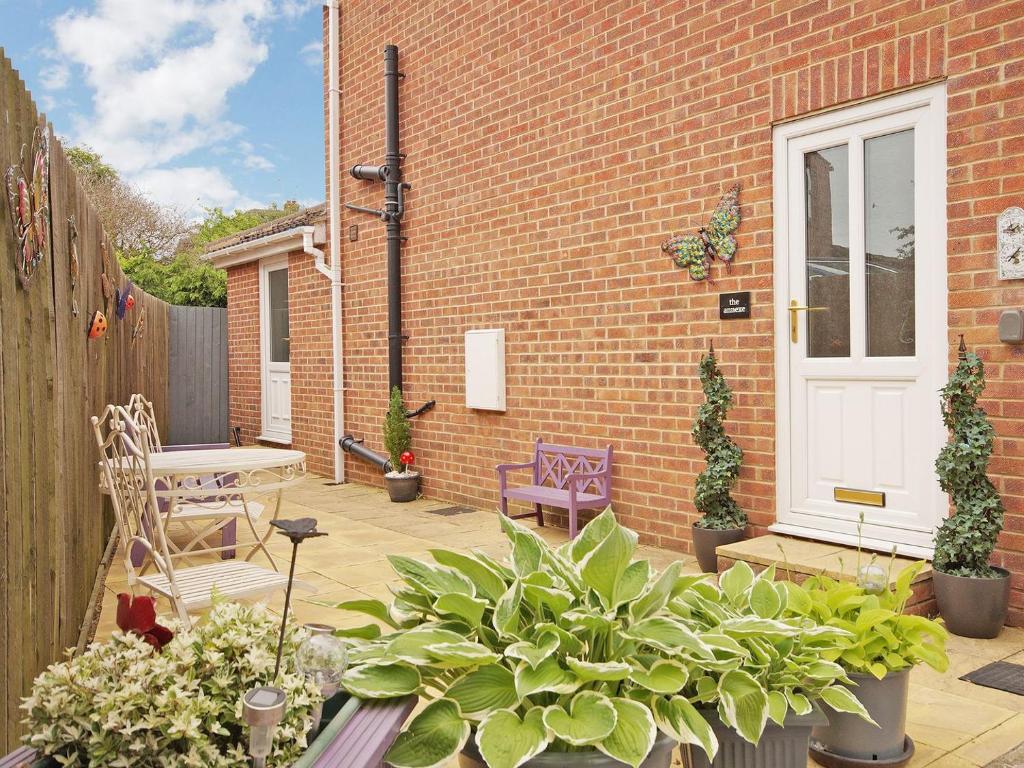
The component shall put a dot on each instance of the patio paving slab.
(955, 724)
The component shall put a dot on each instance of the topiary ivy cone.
(720, 511)
(964, 542)
(397, 430)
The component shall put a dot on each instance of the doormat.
(449, 511)
(1001, 675)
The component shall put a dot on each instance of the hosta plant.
(882, 639)
(582, 649)
(124, 703)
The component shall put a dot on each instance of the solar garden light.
(263, 706)
(322, 658)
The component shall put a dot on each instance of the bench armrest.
(503, 468)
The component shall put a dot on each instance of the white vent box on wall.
(485, 369)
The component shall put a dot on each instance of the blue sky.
(198, 102)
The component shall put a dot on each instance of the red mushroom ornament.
(406, 458)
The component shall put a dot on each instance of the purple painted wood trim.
(367, 736)
(19, 758)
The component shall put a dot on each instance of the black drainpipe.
(394, 208)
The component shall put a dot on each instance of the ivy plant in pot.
(575, 656)
(973, 595)
(402, 482)
(883, 647)
(722, 520)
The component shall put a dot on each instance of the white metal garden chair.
(127, 477)
(210, 508)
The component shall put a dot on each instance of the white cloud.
(191, 189)
(312, 53)
(55, 77)
(252, 159)
(292, 9)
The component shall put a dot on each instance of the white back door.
(275, 351)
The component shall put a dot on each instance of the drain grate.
(1001, 675)
(449, 511)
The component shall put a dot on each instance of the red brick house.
(551, 149)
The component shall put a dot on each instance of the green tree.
(964, 542)
(712, 494)
(397, 430)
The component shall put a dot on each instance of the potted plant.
(402, 483)
(722, 520)
(575, 656)
(883, 647)
(973, 595)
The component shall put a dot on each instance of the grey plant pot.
(707, 540)
(660, 757)
(403, 489)
(779, 747)
(973, 607)
(848, 735)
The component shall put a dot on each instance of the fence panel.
(198, 371)
(54, 523)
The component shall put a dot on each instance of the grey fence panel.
(198, 375)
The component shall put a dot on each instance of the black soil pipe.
(393, 209)
(349, 444)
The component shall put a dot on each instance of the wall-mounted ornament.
(97, 325)
(140, 326)
(106, 283)
(1010, 244)
(28, 196)
(74, 267)
(125, 300)
(695, 253)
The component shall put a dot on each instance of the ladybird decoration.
(28, 195)
(695, 253)
(130, 302)
(122, 299)
(98, 325)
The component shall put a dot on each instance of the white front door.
(861, 334)
(275, 351)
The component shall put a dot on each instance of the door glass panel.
(826, 178)
(277, 281)
(889, 244)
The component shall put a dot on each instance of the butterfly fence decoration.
(28, 195)
(695, 253)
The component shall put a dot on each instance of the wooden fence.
(54, 524)
(198, 378)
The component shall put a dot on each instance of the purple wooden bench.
(564, 477)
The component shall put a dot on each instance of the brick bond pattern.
(553, 146)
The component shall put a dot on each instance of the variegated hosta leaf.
(430, 580)
(548, 676)
(505, 741)
(568, 643)
(488, 581)
(743, 704)
(603, 567)
(557, 601)
(591, 718)
(526, 546)
(604, 670)
(664, 588)
(633, 582)
(798, 702)
(593, 533)
(682, 721)
(777, 707)
(463, 654)
(484, 690)
(411, 645)
(363, 632)
(534, 653)
(586, 618)
(736, 581)
(842, 700)
(506, 617)
(634, 733)
(825, 670)
(764, 600)
(374, 608)
(668, 635)
(433, 737)
(381, 681)
(664, 676)
(471, 609)
(754, 626)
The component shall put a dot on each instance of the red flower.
(407, 458)
(138, 615)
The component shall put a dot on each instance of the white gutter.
(260, 248)
(318, 255)
(334, 203)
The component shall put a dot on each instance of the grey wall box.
(1011, 326)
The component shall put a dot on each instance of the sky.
(199, 103)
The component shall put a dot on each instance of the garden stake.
(297, 531)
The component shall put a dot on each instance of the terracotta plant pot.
(707, 540)
(850, 740)
(402, 487)
(779, 747)
(973, 607)
(660, 757)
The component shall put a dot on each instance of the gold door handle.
(794, 325)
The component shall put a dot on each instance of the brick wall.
(244, 395)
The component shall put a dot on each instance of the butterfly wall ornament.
(28, 196)
(695, 253)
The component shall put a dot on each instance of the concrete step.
(796, 559)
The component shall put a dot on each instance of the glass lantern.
(322, 658)
(873, 579)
